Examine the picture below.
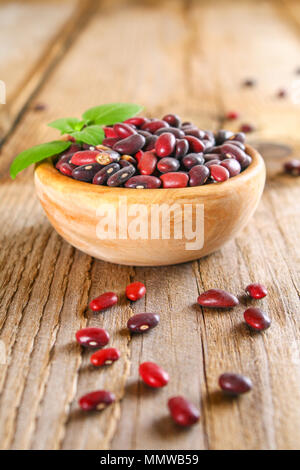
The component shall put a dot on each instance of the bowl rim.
(45, 170)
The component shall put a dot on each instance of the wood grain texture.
(188, 57)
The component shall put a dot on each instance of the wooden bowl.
(76, 210)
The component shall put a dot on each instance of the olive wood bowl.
(75, 209)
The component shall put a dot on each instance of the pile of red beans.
(182, 411)
(146, 153)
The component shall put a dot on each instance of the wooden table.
(184, 56)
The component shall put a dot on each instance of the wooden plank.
(182, 64)
(33, 35)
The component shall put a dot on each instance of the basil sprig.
(88, 130)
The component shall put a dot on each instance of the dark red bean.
(123, 130)
(110, 141)
(198, 175)
(181, 148)
(183, 411)
(102, 176)
(143, 182)
(106, 157)
(217, 298)
(232, 151)
(237, 144)
(124, 163)
(137, 121)
(147, 163)
(292, 167)
(239, 136)
(212, 156)
(167, 164)
(175, 180)
(235, 384)
(256, 291)
(109, 132)
(145, 134)
(250, 82)
(222, 135)
(84, 157)
(178, 133)
(153, 375)
(142, 322)
(165, 145)
(105, 357)
(232, 115)
(152, 126)
(232, 165)
(138, 155)
(195, 145)
(86, 172)
(282, 93)
(97, 400)
(192, 159)
(106, 300)
(92, 337)
(121, 176)
(246, 128)
(65, 168)
(219, 173)
(150, 143)
(172, 119)
(130, 145)
(257, 319)
(135, 291)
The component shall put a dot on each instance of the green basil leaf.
(67, 125)
(37, 154)
(111, 113)
(92, 135)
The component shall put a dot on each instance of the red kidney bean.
(198, 175)
(110, 141)
(212, 156)
(183, 411)
(250, 82)
(181, 148)
(257, 319)
(124, 163)
(239, 136)
(222, 135)
(187, 124)
(106, 157)
(219, 173)
(145, 134)
(232, 115)
(147, 163)
(237, 143)
(86, 172)
(137, 121)
(150, 143)
(175, 180)
(232, 151)
(123, 130)
(195, 145)
(195, 133)
(192, 159)
(105, 357)
(165, 145)
(178, 133)
(292, 167)
(72, 149)
(102, 176)
(138, 155)
(232, 165)
(168, 164)
(135, 291)
(256, 291)
(65, 168)
(121, 176)
(130, 145)
(142, 322)
(172, 119)
(84, 157)
(152, 126)
(106, 300)
(247, 128)
(97, 400)
(282, 93)
(153, 375)
(109, 132)
(92, 337)
(235, 384)
(217, 298)
(143, 182)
